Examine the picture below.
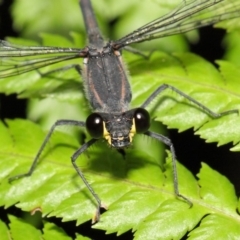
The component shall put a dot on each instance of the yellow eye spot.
(132, 131)
(106, 134)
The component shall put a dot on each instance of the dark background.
(187, 145)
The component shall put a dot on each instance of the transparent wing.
(16, 59)
(191, 14)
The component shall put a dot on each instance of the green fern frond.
(138, 194)
(138, 190)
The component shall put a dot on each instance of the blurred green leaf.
(19, 229)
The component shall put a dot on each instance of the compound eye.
(142, 120)
(94, 125)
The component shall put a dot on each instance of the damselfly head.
(118, 129)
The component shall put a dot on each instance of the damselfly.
(106, 84)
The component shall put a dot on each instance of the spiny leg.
(34, 163)
(203, 107)
(80, 173)
(168, 142)
(138, 52)
(77, 67)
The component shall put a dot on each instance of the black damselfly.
(106, 84)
